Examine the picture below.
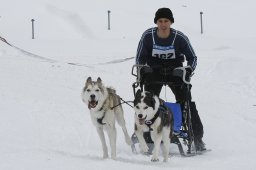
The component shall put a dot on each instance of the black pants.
(181, 93)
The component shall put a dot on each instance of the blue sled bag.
(177, 115)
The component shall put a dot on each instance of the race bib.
(163, 52)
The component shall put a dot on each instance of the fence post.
(201, 20)
(33, 36)
(109, 19)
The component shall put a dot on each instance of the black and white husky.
(152, 115)
(105, 108)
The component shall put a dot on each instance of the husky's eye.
(145, 107)
(137, 107)
(88, 90)
(97, 90)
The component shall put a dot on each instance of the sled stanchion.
(176, 141)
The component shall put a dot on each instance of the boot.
(199, 144)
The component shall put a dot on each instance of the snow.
(45, 126)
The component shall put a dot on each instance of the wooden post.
(33, 36)
(201, 21)
(109, 19)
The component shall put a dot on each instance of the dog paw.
(165, 160)
(154, 159)
(113, 157)
(105, 156)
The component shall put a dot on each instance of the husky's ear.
(149, 99)
(137, 97)
(138, 93)
(150, 94)
(89, 80)
(99, 80)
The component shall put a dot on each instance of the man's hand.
(189, 71)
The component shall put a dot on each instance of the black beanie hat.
(164, 13)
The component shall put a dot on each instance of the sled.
(183, 135)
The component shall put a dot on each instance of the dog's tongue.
(92, 104)
(142, 121)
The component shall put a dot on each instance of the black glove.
(189, 73)
(184, 73)
(145, 70)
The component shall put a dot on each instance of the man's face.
(163, 24)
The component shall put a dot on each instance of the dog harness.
(163, 112)
(99, 120)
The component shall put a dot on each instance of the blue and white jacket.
(177, 40)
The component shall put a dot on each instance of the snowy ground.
(45, 126)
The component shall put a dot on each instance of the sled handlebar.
(185, 73)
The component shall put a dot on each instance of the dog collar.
(162, 109)
(150, 122)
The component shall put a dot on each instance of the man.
(163, 49)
